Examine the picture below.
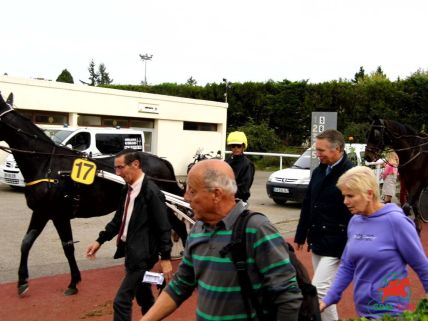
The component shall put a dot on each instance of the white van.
(290, 184)
(93, 141)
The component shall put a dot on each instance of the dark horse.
(412, 150)
(53, 195)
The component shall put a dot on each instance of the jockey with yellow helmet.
(241, 165)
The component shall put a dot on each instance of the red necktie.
(124, 215)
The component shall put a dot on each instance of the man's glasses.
(235, 145)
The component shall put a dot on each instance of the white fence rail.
(377, 166)
(270, 154)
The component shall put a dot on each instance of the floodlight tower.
(227, 86)
(145, 57)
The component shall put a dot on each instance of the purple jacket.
(376, 256)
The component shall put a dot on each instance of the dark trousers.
(131, 287)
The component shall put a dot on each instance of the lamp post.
(227, 86)
(145, 57)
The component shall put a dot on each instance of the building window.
(142, 123)
(89, 120)
(207, 127)
(147, 141)
(44, 117)
(113, 121)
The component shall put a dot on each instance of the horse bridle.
(6, 111)
(381, 146)
(376, 150)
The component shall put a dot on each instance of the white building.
(174, 127)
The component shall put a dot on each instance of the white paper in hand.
(153, 278)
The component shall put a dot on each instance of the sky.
(237, 40)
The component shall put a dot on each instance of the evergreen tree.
(93, 75)
(104, 78)
(191, 81)
(65, 76)
(359, 75)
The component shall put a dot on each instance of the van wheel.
(279, 202)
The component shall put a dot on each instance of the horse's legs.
(37, 224)
(63, 228)
(413, 201)
(417, 219)
(178, 226)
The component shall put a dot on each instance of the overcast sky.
(241, 40)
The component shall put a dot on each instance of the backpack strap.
(238, 249)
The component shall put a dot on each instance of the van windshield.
(304, 161)
(58, 136)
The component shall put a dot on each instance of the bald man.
(211, 189)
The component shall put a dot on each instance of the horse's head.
(5, 107)
(375, 140)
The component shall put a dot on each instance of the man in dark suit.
(144, 235)
(324, 218)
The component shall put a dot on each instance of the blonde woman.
(382, 241)
(389, 176)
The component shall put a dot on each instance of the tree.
(65, 76)
(191, 81)
(101, 77)
(93, 75)
(380, 72)
(360, 75)
(260, 136)
(104, 78)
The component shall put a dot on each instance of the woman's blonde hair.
(392, 158)
(360, 180)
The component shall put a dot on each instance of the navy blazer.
(324, 218)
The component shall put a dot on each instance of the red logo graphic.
(395, 288)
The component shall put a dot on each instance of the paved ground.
(49, 272)
(94, 301)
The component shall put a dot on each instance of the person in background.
(144, 235)
(211, 189)
(376, 255)
(243, 168)
(389, 176)
(324, 218)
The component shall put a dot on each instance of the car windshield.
(58, 135)
(304, 161)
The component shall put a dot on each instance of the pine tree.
(65, 76)
(104, 78)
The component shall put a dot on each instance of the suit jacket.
(324, 218)
(149, 231)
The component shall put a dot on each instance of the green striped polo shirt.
(215, 277)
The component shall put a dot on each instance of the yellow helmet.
(237, 138)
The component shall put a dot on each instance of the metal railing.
(270, 154)
(377, 166)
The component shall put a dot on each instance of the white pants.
(325, 268)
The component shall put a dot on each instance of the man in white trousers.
(324, 218)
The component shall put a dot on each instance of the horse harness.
(381, 146)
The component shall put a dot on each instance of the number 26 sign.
(83, 171)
